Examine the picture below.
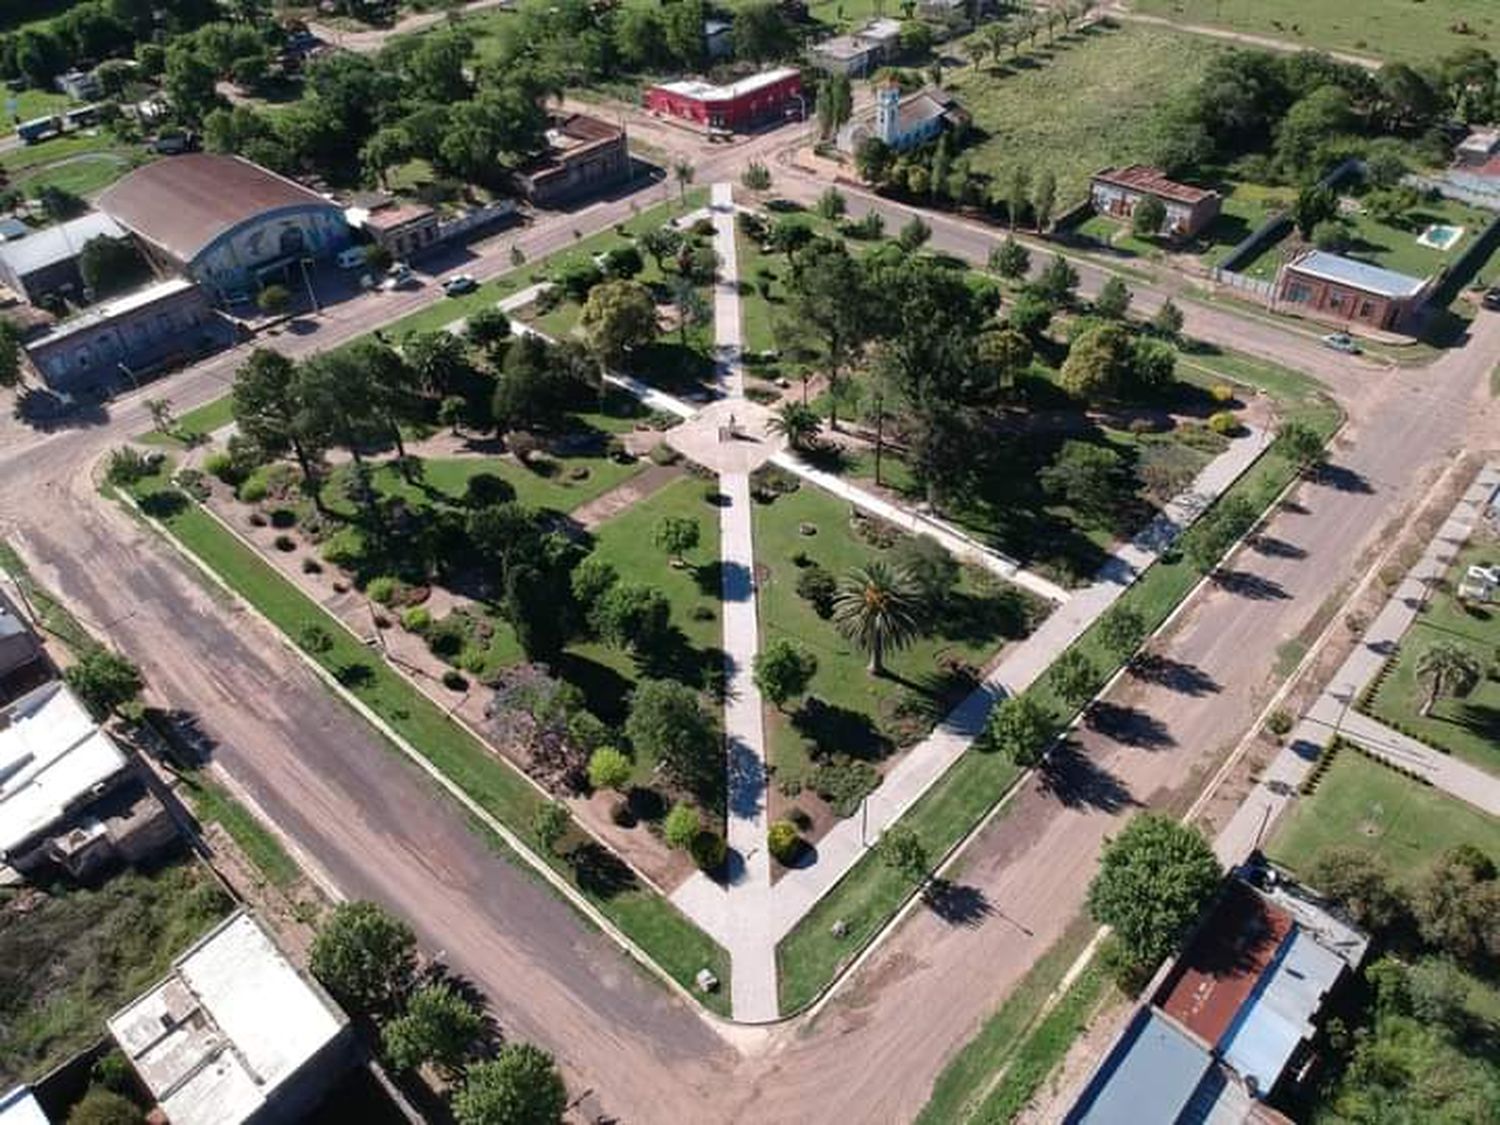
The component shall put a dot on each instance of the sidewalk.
(1334, 712)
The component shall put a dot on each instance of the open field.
(72, 956)
(1078, 106)
(1389, 29)
(678, 947)
(1362, 803)
(1468, 726)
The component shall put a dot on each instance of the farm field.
(1388, 29)
(1082, 104)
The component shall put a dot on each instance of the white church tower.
(887, 109)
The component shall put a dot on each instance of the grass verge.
(679, 947)
(810, 955)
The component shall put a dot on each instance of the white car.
(353, 258)
(1341, 342)
(459, 284)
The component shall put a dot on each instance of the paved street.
(379, 829)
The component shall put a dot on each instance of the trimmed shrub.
(454, 681)
(283, 518)
(819, 587)
(682, 826)
(664, 454)
(311, 565)
(222, 466)
(417, 619)
(1222, 393)
(783, 841)
(285, 543)
(382, 590)
(709, 850)
(1224, 422)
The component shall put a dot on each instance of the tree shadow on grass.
(958, 904)
(164, 504)
(841, 730)
(1078, 782)
(600, 872)
(1481, 719)
(604, 689)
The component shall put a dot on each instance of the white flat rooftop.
(51, 755)
(708, 92)
(140, 298)
(231, 1024)
(19, 1107)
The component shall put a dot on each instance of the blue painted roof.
(1279, 1013)
(1360, 275)
(1149, 1076)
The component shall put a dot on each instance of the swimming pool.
(1440, 236)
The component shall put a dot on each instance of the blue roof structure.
(1279, 1013)
(1358, 275)
(1149, 1076)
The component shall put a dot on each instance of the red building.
(742, 105)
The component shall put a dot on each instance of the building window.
(1366, 310)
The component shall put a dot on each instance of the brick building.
(584, 155)
(403, 229)
(1117, 191)
(758, 100)
(1343, 290)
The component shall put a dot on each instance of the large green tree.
(669, 724)
(364, 956)
(1154, 880)
(438, 1026)
(618, 317)
(519, 1086)
(830, 305)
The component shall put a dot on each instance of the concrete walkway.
(741, 907)
(1333, 713)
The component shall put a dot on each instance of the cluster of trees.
(361, 115)
(1421, 1054)
(368, 960)
(1300, 113)
(96, 30)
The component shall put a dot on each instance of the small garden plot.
(1465, 717)
(836, 739)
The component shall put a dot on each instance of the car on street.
(353, 258)
(399, 276)
(459, 284)
(1491, 298)
(1341, 342)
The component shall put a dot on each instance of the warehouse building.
(584, 156)
(230, 225)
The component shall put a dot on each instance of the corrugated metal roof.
(1149, 1076)
(51, 245)
(1359, 275)
(1279, 1013)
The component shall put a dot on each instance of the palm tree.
(797, 422)
(683, 172)
(1447, 668)
(878, 607)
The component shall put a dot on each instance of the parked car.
(352, 258)
(459, 284)
(1491, 298)
(1341, 342)
(398, 277)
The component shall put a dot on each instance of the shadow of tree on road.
(1244, 584)
(1077, 782)
(1175, 675)
(958, 904)
(1128, 725)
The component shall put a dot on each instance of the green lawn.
(84, 141)
(1245, 208)
(1081, 105)
(810, 955)
(70, 957)
(1364, 804)
(678, 946)
(1397, 248)
(1469, 726)
(196, 424)
(856, 713)
(213, 804)
(1392, 29)
(569, 482)
(607, 674)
